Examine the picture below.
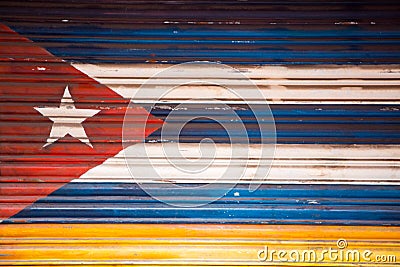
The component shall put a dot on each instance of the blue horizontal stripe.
(238, 45)
(320, 124)
(202, 31)
(281, 204)
(363, 32)
(132, 55)
(70, 41)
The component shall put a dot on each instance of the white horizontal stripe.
(256, 72)
(270, 94)
(272, 101)
(317, 164)
(278, 84)
(260, 83)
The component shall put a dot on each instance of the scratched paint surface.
(270, 204)
(295, 32)
(341, 116)
(330, 71)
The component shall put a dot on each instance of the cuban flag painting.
(127, 127)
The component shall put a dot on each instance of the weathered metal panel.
(344, 32)
(270, 204)
(329, 70)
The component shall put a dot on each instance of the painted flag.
(63, 156)
(98, 169)
(54, 129)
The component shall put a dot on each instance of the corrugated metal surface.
(191, 245)
(31, 172)
(284, 84)
(330, 71)
(270, 204)
(255, 32)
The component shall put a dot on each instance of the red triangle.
(32, 77)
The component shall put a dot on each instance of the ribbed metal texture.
(329, 70)
(270, 204)
(251, 32)
(195, 245)
(343, 121)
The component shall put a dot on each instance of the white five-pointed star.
(67, 120)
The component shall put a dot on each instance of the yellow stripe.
(196, 245)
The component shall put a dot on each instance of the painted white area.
(255, 72)
(316, 164)
(67, 119)
(278, 84)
